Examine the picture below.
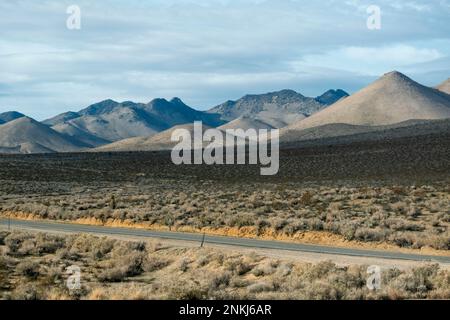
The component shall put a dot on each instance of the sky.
(210, 51)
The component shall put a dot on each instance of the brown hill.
(444, 86)
(391, 99)
(25, 135)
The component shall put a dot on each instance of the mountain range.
(109, 121)
(116, 126)
(276, 109)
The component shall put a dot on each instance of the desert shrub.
(438, 242)
(241, 220)
(315, 224)
(203, 261)
(296, 225)
(285, 269)
(187, 291)
(65, 254)
(15, 240)
(81, 243)
(264, 269)
(306, 199)
(259, 287)
(53, 275)
(114, 274)
(278, 224)
(125, 266)
(321, 290)
(28, 268)
(26, 291)
(403, 225)
(153, 263)
(318, 271)
(183, 265)
(6, 262)
(261, 224)
(27, 247)
(220, 281)
(136, 246)
(101, 248)
(348, 230)
(399, 207)
(45, 244)
(417, 281)
(3, 235)
(96, 248)
(238, 282)
(154, 247)
(413, 212)
(121, 248)
(238, 266)
(403, 239)
(365, 234)
(398, 190)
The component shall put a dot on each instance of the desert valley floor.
(390, 194)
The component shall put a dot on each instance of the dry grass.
(410, 217)
(32, 266)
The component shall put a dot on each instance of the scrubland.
(392, 193)
(33, 266)
(405, 216)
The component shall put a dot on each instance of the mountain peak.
(24, 119)
(101, 107)
(391, 99)
(61, 118)
(158, 101)
(277, 108)
(10, 116)
(395, 76)
(176, 100)
(29, 132)
(284, 93)
(287, 92)
(332, 96)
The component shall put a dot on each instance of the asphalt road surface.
(221, 240)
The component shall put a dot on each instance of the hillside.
(444, 86)
(277, 109)
(25, 135)
(109, 120)
(10, 116)
(391, 99)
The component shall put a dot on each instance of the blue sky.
(209, 51)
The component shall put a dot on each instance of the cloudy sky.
(209, 51)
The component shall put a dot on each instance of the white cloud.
(371, 60)
(206, 51)
(411, 5)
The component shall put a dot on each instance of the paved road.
(222, 240)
